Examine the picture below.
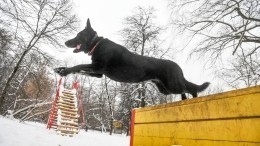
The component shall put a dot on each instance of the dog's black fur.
(119, 64)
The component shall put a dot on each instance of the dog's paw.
(62, 71)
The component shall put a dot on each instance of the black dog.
(119, 64)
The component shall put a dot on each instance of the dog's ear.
(88, 24)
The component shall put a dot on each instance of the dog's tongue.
(78, 46)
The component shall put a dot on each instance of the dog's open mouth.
(78, 49)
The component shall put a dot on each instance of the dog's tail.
(196, 88)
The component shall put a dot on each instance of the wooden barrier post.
(132, 127)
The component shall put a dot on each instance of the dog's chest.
(126, 73)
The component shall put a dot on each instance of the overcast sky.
(106, 17)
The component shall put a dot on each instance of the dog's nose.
(67, 43)
(71, 43)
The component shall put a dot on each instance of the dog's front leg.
(82, 68)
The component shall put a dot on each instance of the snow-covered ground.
(13, 133)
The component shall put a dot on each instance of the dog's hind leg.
(195, 94)
(174, 86)
(160, 87)
(183, 96)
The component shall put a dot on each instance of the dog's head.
(83, 40)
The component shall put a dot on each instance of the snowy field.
(13, 133)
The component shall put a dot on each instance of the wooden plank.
(235, 106)
(69, 119)
(68, 123)
(65, 134)
(67, 100)
(68, 131)
(68, 109)
(68, 92)
(67, 97)
(66, 103)
(228, 94)
(152, 141)
(67, 116)
(54, 125)
(72, 114)
(68, 126)
(226, 130)
(161, 141)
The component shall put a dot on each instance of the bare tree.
(220, 24)
(125, 106)
(244, 71)
(219, 29)
(5, 57)
(89, 94)
(141, 36)
(32, 91)
(33, 24)
(110, 105)
(96, 109)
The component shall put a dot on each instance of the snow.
(13, 133)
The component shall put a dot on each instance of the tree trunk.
(110, 109)
(10, 78)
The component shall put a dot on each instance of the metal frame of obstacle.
(81, 110)
(66, 109)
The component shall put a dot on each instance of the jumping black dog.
(119, 64)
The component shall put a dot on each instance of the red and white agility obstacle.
(66, 110)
